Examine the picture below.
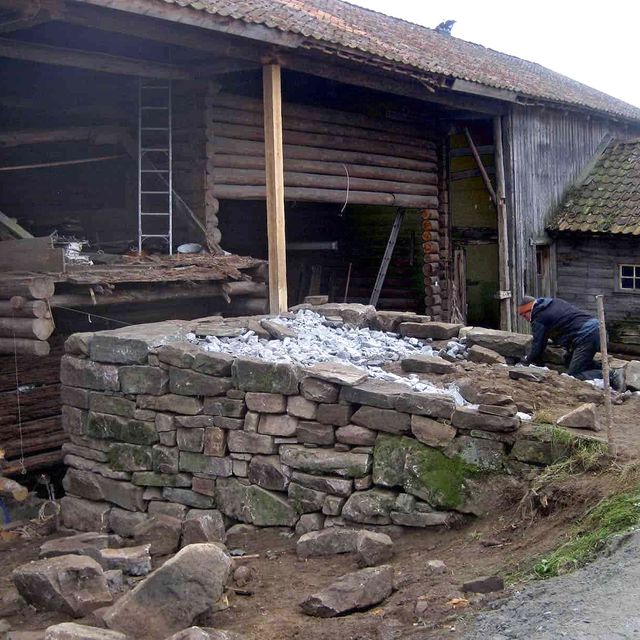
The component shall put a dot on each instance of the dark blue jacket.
(556, 319)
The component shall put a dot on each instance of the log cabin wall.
(546, 149)
(587, 266)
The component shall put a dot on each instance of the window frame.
(636, 277)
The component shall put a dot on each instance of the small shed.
(597, 240)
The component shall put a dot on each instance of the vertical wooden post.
(505, 294)
(604, 353)
(274, 166)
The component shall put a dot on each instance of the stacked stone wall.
(164, 430)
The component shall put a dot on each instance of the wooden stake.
(274, 166)
(605, 374)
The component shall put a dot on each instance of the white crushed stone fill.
(315, 342)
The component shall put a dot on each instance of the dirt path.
(594, 603)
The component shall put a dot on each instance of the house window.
(630, 277)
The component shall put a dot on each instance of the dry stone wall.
(161, 429)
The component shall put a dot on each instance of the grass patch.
(542, 416)
(613, 515)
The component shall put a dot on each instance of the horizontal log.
(31, 463)
(35, 402)
(24, 346)
(426, 176)
(38, 287)
(91, 135)
(344, 143)
(35, 444)
(255, 177)
(20, 307)
(38, 328)
(235, 192)
(319, 114)
(234, 147)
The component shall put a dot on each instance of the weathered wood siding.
(587, 266)
(329, 156)
(546, 150)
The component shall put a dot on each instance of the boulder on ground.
(352, 592)
(74, 631)
(202, 525)
(200, 633)
(71, 584)
(482, 355)
(161, 532)
(485, 584)
(373, 548)
(582, 417)
(327, 542)
(169, 600)
(510, 345)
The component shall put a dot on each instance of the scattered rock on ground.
(134, 561)
(436, 567)
(529, 374)
(161, 532)
(426, 364)
(582, 417)
(74, 631)
(192, 582)
(373, 548)
(202, 633)
(352, 592)
(485, 584)
(482, 355)
(70, 584)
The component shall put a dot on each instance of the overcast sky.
(593, 42)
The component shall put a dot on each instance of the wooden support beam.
(481, 167)
(274, 169)
(12, 228)
(505, 296)
(107, 63)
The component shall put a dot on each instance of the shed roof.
(607, 198)
(346, 26)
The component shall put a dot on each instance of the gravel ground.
(598, 602)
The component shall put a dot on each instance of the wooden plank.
(481, 168)
(274, 171)
(107, 63)
(12, 228)
(32, 254)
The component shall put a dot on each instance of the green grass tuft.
(613, 515)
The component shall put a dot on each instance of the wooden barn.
(597, 246)
(313, 134)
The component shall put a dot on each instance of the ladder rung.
(149, 235)
(145, 213)
(154, 86)
(166, 193)
(156, 108)
(155, 149)
(154, 171)
(154, 128)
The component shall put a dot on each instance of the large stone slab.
(251, 374)
(426, 364)
(81, 544)
(109, 348)
(265, 402)
(373, 548)
(253, 504)
(510, 345)
(433, 330)
(337, 373)
(582, 417)
(352, 592)
(161, 533)
(370, 507)
(341, 463)
(188, 497)
(426, 404)
(192, 383)
(178, 355)
(134, 561)
(87, 374)
(192, 581)
(375, 393)
(386, 420)
(71, 584)
(469, 418)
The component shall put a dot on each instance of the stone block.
(124, 522)
(84, 515)
(529, 374)
(487, 455)
(84, 464)
(423, 519)
(78, 344)
(240, 468)
(141, 379)
(168, 438)
(533, 452)
(74, 420)
(373, 548)
(282, 425)
(83, 484)
(161, 533)
(153, 479)
(109, 348)
(107, 427)
(230, 424)
(164, 422)
(75, 372)
(485, 584)
(187, 497)
(426, 404)
(130, 457)
(382, 420)
(205, 486)
(506, 343)
(199, 463)
(178, 355)
(327, 484)
(134, 561)
(309, 522)
(506, 411)
(165, 459)
(431, 432)
(254, 505)
(215, 442)
(116, 405)
(301, 408)
(582, 417)
(338, 415)
(318, 390)
(213, 363)
(172, 403)
(362, 484)
(337, 373)
(252, 374)
(370, 507)
(374, 393)
(202, 525)
(269, 473)
(322, 461)
(190, 440)
(304, 499)
(152, 494)
(327, 542)
(192, 383)
(468, 418)
(266, 402)
(332, 505)
(315, 433)
(122, 494)
(227, 407)
(433, 330)
(420, 363)
(246, 442)
(356, 435)
(74, 397)
(74, 631)
(194, 422)
(171, 509)
(482, 355)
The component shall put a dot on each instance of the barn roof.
(607, 197)
(335, 24)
